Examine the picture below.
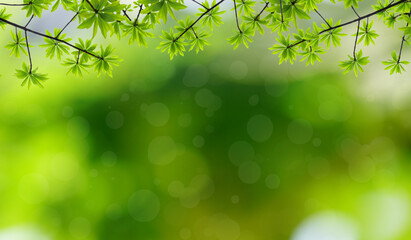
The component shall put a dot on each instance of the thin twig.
(236, 16)
(28, 50)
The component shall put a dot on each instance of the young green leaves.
(210, 17)
(162, 8)
(242, 36)
(30, 76)
(135, 22)
(54, 47)
(354, 63)
(171, 44)
(36, 7)
(395, 65)
(99, 14)
(77, 65)
(366, 34)
(285, 50)
(18, 45)
(105, 61)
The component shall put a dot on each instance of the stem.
(195, 34)
(356, 38)
(355, 11)
(262, 10)
(78, 56)
(236, 16)
(402, 44)
(200, 4)
(28, 50)
(281, 9)
(71, 20)
(91, 5)
(15, 4)
(31, 18)
(198, 19)
(322, 18)
(138, 15)
(49, 37)
(125, 14)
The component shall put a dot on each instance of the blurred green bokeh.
(220, 145)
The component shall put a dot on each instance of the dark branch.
(389, 6)
(71, 20)
(28, 51)
(236, 16)
(138, 15)
(15, 4)
(198, 19)
(262, 10)
(46, 36)
(356, 39)
(200, 4)
(322, 18)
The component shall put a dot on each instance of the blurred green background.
(217, 145)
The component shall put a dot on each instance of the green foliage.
(30, 76)
(212, 17)
(284, 50)
(36, 7)
(394, 64)
(76, 66)
(136, 22)
(351, 3)
(242, 36)
(171, 44)
(354, 63)
(162, 8)
(4, 15)
(54, 47)
(366, 34)
(138, 32)
(333, 36)
(105, 61)
(99, 14)
(311, 55)
(245, 6)
(17, 45)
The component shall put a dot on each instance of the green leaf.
(333, 36)
(366, 34)
(106, 61)
(76, 65)
(17, 45)
(36, 7)
(311, 55)
(54, 47)
(285, 50)
(171, 44)
(138, 32)
(242, 36)
(212, 17)
(354, 63)
(395, 65)
(30, 76)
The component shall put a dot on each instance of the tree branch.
(49, 37)
(391, 5)
(236, 16)
(198, 19)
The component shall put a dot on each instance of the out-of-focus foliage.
(216, 146)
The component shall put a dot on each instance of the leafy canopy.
(137, 22)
